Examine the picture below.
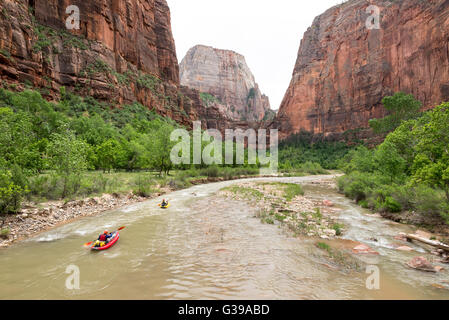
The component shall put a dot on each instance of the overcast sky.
(266, 32)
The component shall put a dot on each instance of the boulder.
(421, 263)
(328, 203)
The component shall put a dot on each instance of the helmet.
(106, 232)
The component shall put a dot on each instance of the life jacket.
(102, 237)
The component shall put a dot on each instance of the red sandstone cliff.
(123, 52)
(225, 75)
(343, 70)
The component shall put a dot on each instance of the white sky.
(266, 32)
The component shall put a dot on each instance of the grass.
(48, 186)
(246, 192)
(340, 257)
(290, 190)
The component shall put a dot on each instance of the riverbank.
(33, 220)
(36, 218)
(217, 248)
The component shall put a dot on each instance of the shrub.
(363, 204)
(338, 228)
(292, 190)
(323, 246)
(391, 205)
(428, 200)
(4, 233)
(142, 186)
(210, 172)
(11, 194)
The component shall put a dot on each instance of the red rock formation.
(123, 52)
(225, 75)
(135, 31)
(344, 70)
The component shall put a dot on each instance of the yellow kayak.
(160, 205)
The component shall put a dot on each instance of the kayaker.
(104, 236)
(164, 203)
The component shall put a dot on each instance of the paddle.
(89, 243)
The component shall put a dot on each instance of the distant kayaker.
(164, 203)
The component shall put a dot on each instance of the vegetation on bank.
(410, 169)
(48, 150)
(78, 147)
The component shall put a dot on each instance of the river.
(207, 247)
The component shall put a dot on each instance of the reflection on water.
(205, 247)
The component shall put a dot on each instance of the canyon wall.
(123, 52)
(343, 69)
(228, 83)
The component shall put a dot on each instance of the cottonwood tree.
(67, 156)
(401, 107)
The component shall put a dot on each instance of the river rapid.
(208, 247)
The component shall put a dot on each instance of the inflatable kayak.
(167, 206)
(112, 241)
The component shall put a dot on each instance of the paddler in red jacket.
(105, 236)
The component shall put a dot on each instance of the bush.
(355, 186)
(338, 228)
(292, 190)
(4, 233)
(210, 172)
(312, 168)
(428, 200)
(11, 194)
(364, 204)
(391, 205)
(143, 186)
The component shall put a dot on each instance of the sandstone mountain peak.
(225, 79)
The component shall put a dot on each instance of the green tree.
(360, 159)
(431, 164)
(67, 157)
(401, 107)
(159, 146)
(109, 154)
(389, 162)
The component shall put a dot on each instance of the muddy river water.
(207, 247)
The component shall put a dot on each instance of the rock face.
(225, 75)
(123, 53)
(343, 69)
(131, 31)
